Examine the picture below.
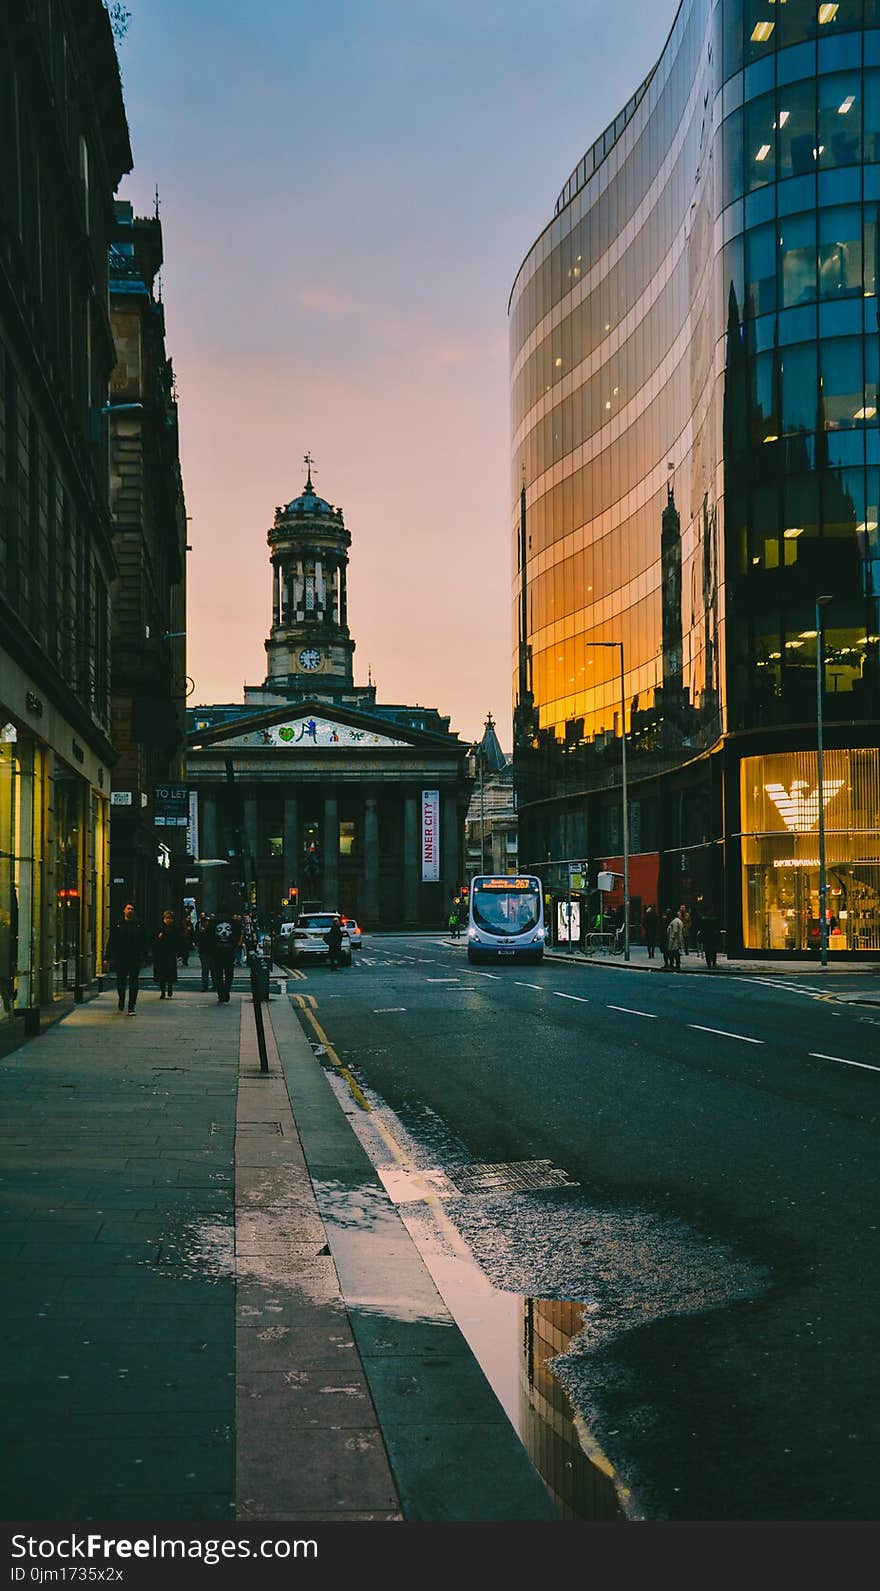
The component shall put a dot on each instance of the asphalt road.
(709, 1196)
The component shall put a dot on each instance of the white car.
(353, 930)
(306, 939)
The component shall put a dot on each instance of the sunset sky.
(347, 191)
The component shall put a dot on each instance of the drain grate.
(514, 1176)
(242, 1128)
(405, 1185)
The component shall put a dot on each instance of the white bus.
(506, 918)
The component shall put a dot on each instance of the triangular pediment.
(309, 730)
(310, 725)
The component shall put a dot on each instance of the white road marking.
(581, 999)
(380, 1010)
(791, 988)
(722, 1032)
(817, 1056)
(630, 1012)
(519, 985)
(486, 974)
(442, 980)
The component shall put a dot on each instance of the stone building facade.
(148, 639)
(64, 146)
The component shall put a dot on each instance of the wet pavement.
(213, 1308)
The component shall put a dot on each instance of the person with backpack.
(223, 939)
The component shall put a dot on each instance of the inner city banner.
(430, 836)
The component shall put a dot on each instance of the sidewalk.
(694, 962)
(212, 1308)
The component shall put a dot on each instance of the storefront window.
(21, 829)
(780, 850)
(69, 859)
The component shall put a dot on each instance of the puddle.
(514, 1339)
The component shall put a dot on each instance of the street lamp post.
(624, 793)
(821, 602)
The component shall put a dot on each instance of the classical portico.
(342, 807)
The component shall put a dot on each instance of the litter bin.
(259, 966)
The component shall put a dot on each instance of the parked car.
(352, 929)
(306, 939)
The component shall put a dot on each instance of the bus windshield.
(505, 908)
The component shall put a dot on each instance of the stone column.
(411, 859)
(290, 843)
(330, 850)
(370, 904)
(212, 878)
(250, 839)
(276, 596)
(450, 862)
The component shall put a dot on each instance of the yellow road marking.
(356, 1093)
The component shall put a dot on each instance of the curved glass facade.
(696, 458)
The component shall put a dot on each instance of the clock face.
(310, 658)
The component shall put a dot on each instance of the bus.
(505, 918)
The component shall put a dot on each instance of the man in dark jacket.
(334, 944)
(223, 938)
(126, 949)
(710, 933)
(652, 931)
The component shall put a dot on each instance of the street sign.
(120, 798)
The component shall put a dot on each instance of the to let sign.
(430, 836)
(171, 806)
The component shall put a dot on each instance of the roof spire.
(308, 462)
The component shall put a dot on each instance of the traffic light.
(293, 897)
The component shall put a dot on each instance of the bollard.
(260, 992)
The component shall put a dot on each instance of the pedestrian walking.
(454, 925)
(126, 950)
(167, 943)
(223, 938)
(201, 939)
(664, 935)
(240, 922)
(652, 930)
(710, 932)
(186, 937)
(334, 944)
(686, 927)
(675, 942)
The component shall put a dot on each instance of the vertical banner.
(192, 826)
(430, 836)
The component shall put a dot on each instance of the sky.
(347, 190)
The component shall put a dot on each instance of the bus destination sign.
(507, 883)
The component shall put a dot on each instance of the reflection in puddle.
(554, 1440)
(514, 1339)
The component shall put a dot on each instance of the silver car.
(306, 939)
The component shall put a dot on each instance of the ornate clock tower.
(309, 647)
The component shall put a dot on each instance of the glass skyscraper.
(696, 461)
